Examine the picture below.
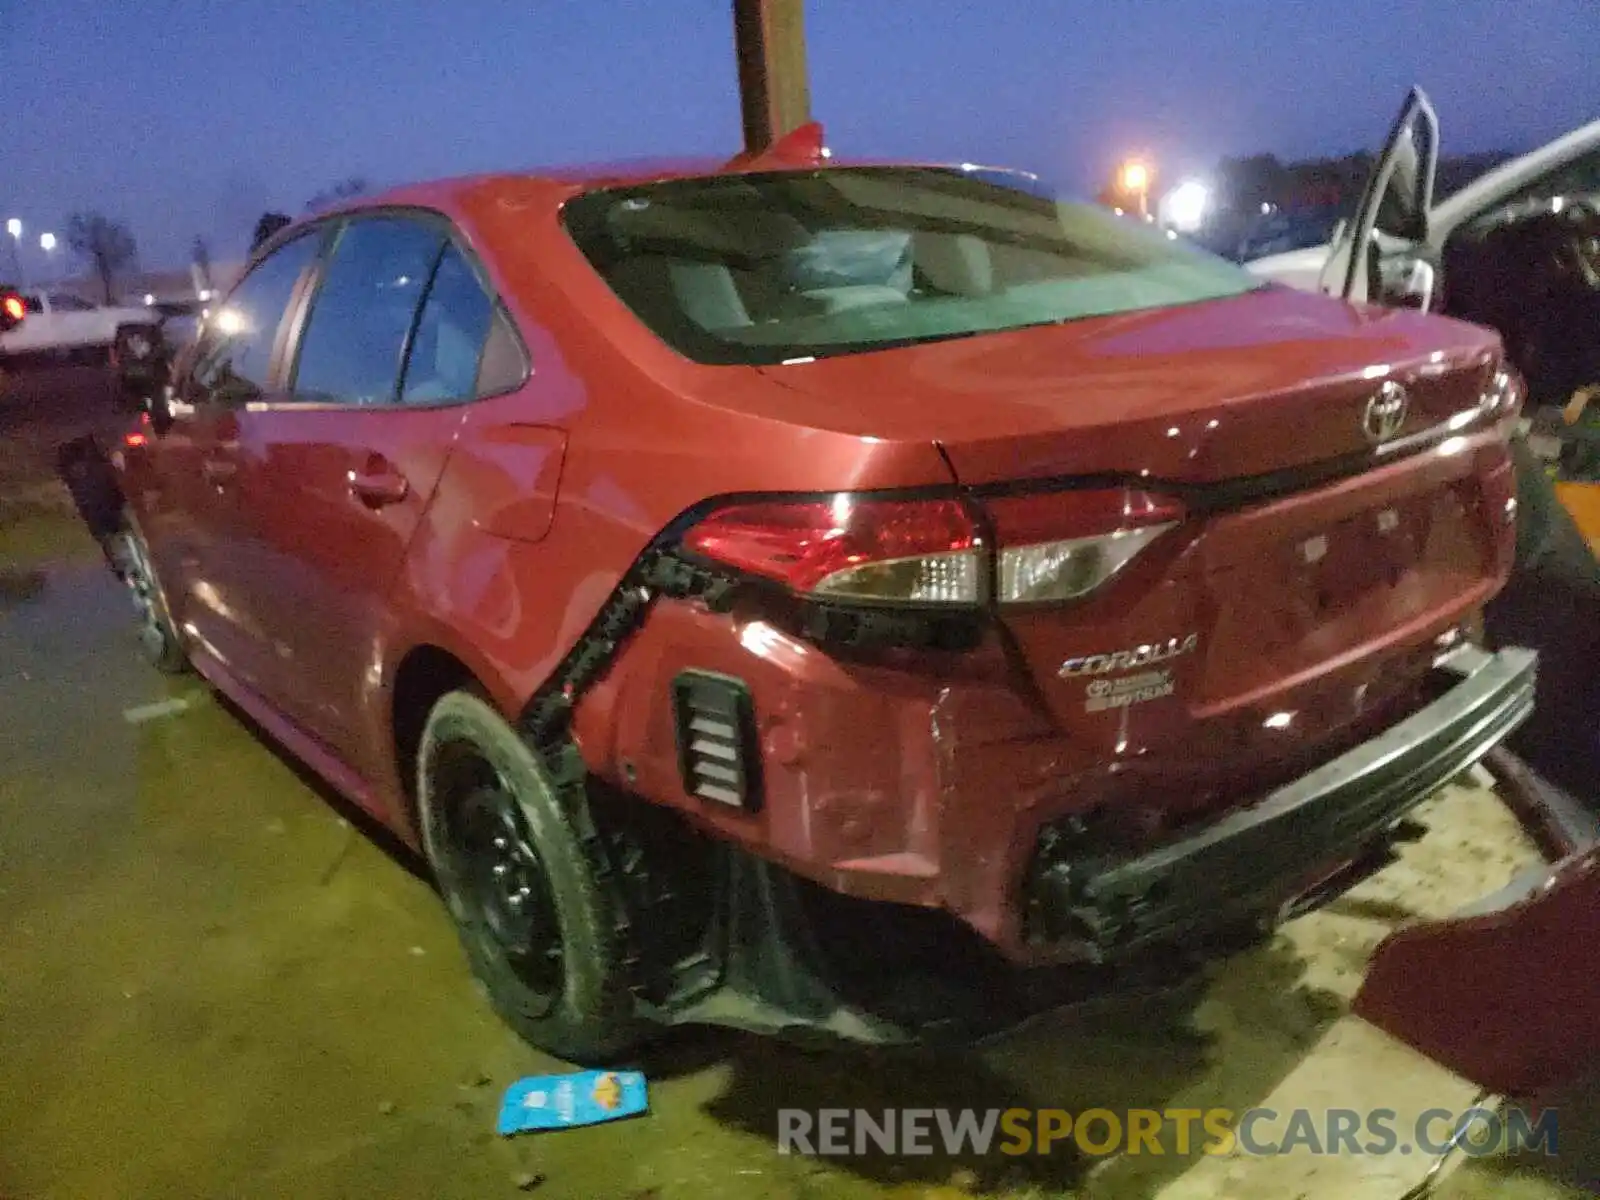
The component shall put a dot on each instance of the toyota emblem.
(1386, 413)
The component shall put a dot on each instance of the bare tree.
(105, 245)
(345, 189)
(268, 225)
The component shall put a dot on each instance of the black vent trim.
(719, 757)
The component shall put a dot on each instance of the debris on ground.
(529, 1180)
(566, 1101)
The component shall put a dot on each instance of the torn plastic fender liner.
(1506, 998)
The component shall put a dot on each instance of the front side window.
(355, 336)
(762, 268)
(61, 302)
(240, 338)
(448, 343)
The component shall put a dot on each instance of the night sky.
(184, 117)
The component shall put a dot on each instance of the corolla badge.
(1128, 660)
(1386, 412)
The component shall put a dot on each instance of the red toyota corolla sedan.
(798, 595)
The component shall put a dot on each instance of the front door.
(338, 475)
(1395, 206)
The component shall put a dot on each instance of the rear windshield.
(764, 268)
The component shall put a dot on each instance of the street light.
(1185, 206)
(1134, 180)
(14, 228)
(47, 242)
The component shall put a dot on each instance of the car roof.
(578, 177)
(554, 185)
(562, 182)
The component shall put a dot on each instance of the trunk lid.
(1267, 381)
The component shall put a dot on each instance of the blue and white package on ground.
(565, 1101)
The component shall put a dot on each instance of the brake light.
(14, 307)
(851, 548)
(1053, 546)
(1062, 545)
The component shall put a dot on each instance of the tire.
(480, 787)
(159, 640)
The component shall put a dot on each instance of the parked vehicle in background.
(1284, 229)
(1570, 165)
(810, 596)
(66, 326)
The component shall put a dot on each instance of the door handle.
(377, 487)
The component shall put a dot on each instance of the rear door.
(1394, 209)
(339, 473)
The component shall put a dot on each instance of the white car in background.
(61, 324)
(1408, 258)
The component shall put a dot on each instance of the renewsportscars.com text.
(1261, 1132)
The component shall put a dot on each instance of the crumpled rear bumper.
(1253, 864)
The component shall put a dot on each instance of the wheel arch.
(422, 674)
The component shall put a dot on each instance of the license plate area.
(1372, 550)
(1352, 584)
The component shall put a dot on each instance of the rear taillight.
(1063, 545)
(851, 548)
(1047, 546)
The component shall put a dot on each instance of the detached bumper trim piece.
(1249, 864)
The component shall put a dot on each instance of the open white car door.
(1394, 210)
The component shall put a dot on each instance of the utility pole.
(774, 94)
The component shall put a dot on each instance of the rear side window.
(448, 344)
(61, 302)
(240, 339)
(33, 304)
(355, 337)
(505, 363)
